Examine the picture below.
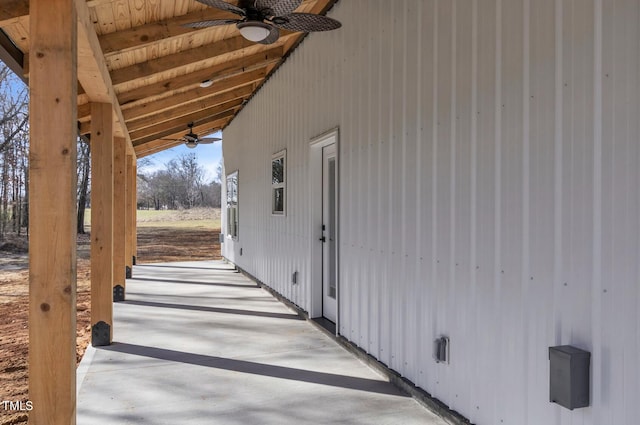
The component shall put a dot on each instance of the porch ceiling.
(136, 55)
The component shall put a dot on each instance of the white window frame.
(281, 185)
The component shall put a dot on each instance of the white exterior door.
(329, 232)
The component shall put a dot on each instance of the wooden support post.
(129, 214)
(52, 212)
(132, 199)
(119, 217)
(134, 219)
(101, 224)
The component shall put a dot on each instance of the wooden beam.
(215, 73)
(190, 108)
(93, 73)
(101, 224)
(156, 146)
(178, 60)
(145, 35)
(52, 211)
(119, 217)
(134, 218)
(130, 202)
(180, 123)
(176, 124)
(12, 56)
(11, 10)
(169, 102)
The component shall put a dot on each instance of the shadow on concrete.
(242, 366)
(191, 282)
(215, 309)
(227, 269)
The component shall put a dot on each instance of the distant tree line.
(14, 148)
(181, 184)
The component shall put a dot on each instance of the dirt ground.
(155, 244)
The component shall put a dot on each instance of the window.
(278, 183)
(232, 205)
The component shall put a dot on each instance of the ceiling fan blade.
(273, 36)
(223, 5)
(277, 7)
(306, 22)
(208, 140)
(214, 23)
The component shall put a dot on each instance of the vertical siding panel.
(486, 317)
(512, 209)
(472, 337)
(541, 290)
(384, 185)
(444, 195)
(410, 192)
(498, 176)
(425, 233)
(462, 302)
(395, 188)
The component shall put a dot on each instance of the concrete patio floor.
(198, 343)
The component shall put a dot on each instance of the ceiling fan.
(260, 20)
(191, 140)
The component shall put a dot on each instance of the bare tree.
(14, 141)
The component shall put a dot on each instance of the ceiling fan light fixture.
(206, 83)
(254, 30)
(191, 144)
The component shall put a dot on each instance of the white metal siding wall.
(489, 191)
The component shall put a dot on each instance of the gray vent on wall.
(441, 350)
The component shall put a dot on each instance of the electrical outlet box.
(569, 376)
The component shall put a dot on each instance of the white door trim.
(315, 229)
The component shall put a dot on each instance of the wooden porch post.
(52, 213)
(101, 224)
(119, 217)
(134, 218)
(129, 215)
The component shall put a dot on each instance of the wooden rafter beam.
(155, 106)
(178, 60)
(183, 110)
(11, 10)
(156, 146)
(12, 56)
(215, 73)
(144, 35)
(181, 130)
(198, 104)
(93, 74)
(176, 124)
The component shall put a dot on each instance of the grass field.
(207, 218)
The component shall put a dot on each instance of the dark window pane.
(278, 200)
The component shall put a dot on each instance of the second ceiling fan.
(260, 20)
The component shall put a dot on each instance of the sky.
(208, 156)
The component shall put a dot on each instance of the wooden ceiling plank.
(175, 100)
(215, 73)
(93, 74)
(242, 92)
(181, 122)
(144, 35)
(182, 110)
(181, 129)
(177, 60)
